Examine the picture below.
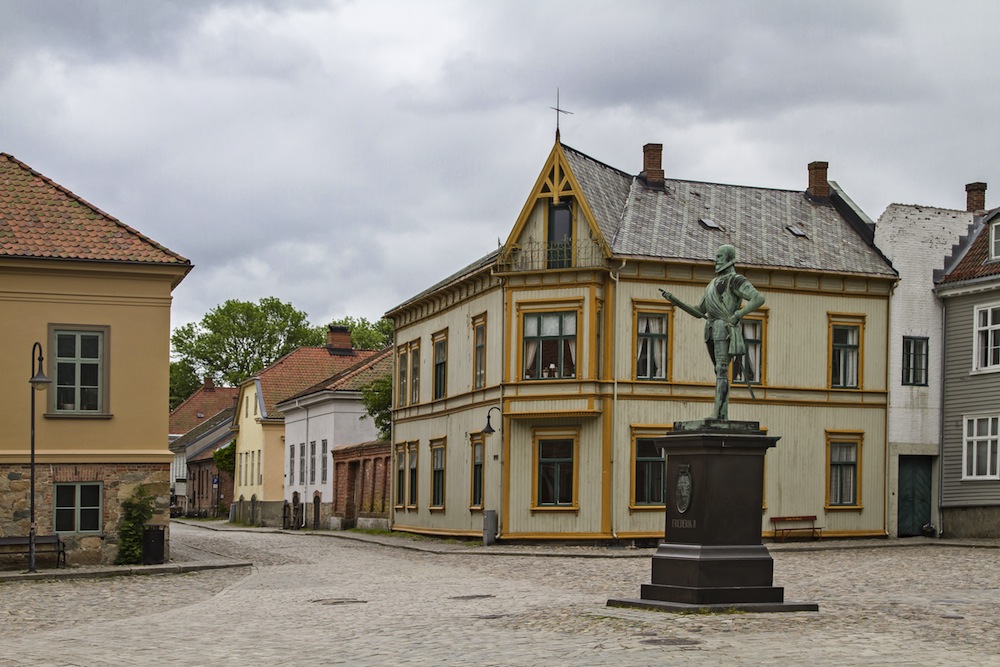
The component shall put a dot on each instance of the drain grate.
(671, 641)
(472, 597)
(333, 601)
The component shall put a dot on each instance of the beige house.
(95, 294)
(260, 427)
(562, 339)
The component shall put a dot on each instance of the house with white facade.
(327, 415)
(912, 237)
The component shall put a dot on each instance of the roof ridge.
(66, 191)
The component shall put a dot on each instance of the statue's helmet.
(725, 257)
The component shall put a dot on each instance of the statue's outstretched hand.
(667, 295)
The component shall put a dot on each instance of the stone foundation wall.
(118, 481)
(971, 522)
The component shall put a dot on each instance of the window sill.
(436, 509)
(989, 370)
(982, 478)
(843, 508)
(555, 508)
(476, 508)
(78, 415)
(646, 508)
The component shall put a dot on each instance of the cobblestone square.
(326, 599)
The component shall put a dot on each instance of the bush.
(137, 510)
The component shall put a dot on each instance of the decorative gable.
(556, 228)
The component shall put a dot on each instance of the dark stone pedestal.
(712, 557)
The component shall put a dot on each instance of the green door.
(914, 494)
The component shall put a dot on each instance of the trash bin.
(152, 544)
(490, 527)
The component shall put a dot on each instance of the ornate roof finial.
(558, 111)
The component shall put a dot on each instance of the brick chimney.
(338, 337)
(652, 165)
(209, 383)
(975, 197)
(819, 186)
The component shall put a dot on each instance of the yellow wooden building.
(95, 295)
(562, 339)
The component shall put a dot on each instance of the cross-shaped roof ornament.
(558, 111)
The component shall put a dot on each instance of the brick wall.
(360, 482)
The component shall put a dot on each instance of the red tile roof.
(41, 219)
(976, 262)
(200, 406)
(303, 368)
(354, 378)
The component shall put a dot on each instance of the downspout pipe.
(614, 391)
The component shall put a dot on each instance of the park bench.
(48, 544)
(783, 525)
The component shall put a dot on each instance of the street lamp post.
(38, 382)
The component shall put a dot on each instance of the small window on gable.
(995, 240)
(560, 235)
(797, 231)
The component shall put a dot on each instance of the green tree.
(239, 338)
(225, 458)
(184, 381)
(367, 335)
(137, 510)
(377, 397)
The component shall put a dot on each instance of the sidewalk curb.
(122, 571)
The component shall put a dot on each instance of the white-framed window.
(78, 507)
(995, 240)
(979, 447)
(291, 463)
(987, 337)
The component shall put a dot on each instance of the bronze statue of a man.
(722, 307)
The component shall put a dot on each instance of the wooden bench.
(48, 544)
(782, 528)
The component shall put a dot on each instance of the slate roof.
(214, 428)
(303, 368)
(643, 222)
(354, 378)
(199, 406)
(970, 259)
(40, 219)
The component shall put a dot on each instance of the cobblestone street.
(319, 599)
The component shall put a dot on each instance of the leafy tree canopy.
(377, 397)
(184, 381)
(225, 458)
(239, 338)
(367, 335)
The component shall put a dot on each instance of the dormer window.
(995, 240)
(560, 234)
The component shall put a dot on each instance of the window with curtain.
(549, 345)
(843, 462)
(846, 344)
(651, 341)
(753, 334)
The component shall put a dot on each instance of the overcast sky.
(343, 156)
